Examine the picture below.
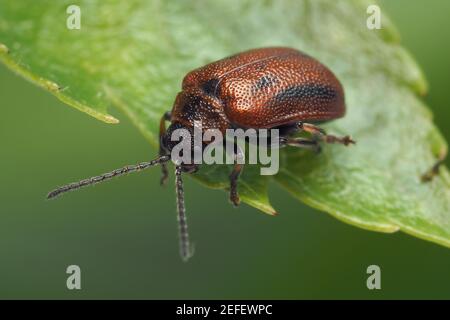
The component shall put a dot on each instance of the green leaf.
(133, 54)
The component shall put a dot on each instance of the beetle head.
(182, 136)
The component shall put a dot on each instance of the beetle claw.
(348, 140)
(235, 200)
(434, 170)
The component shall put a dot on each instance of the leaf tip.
(100, 116)
(110, 119)
(4, 49)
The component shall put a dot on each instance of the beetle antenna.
(107, 176)
(185, 248)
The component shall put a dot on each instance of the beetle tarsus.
(234, 177)
(323, 136)
(434, 170)
(235, 200)
(346, 140)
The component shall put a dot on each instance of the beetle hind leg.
(434, 170)
(323, 136)
(301, 143)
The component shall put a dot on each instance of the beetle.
(274, 87)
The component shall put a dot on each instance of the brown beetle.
(279, 88)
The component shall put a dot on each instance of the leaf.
(133, 54)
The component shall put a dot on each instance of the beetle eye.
(210, 87)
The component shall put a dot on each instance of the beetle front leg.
(234, 176)
(323, 136)
(162, 131)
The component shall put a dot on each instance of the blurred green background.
(123, 234)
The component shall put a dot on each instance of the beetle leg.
(162, 131)
(234, 176)
(322, 135)
(301, 143)
(434, 170)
